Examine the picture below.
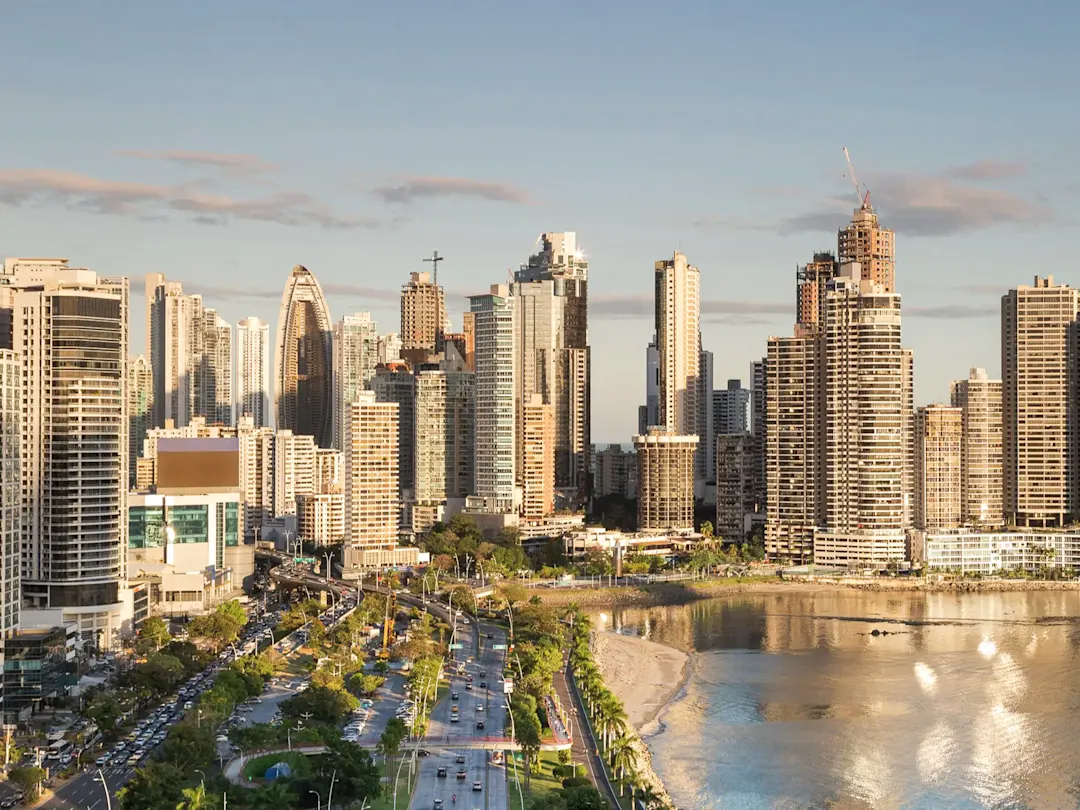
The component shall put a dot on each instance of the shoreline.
(684, 593)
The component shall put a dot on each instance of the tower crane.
(864, 200)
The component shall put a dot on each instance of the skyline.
(641, 157)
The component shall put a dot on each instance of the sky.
(223, 143)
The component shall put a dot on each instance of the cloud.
(229, 163)
(215, 293)
(407, 189)
(952, 312)
(926, 205)
(722, 223)
(79, 192)
(715, 311)
(987, 170)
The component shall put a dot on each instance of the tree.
(528, 733)
(597, 562)
(195, 798)
(325, 705)
(390, 742)
(513, 592)
(707, 530)
(105, 710)
(260, 735)
(357, 776)
(583, 797)
(189, 745)
(153, 635)
(363, 684)
(233, 610)
(191, 657)
(273, 796)
(316, 634)
(623, 758)
(29, 779)
(218, 628)
(155, 786)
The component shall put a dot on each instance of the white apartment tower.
(1039, 431)
(253, 372)
(356, 354)
(11, 505)
(175, 327)
(372, 506)
(980, 400)
(730, 408)
(445, 435)
(140, 410)
(939, 498)
(496, 369)
(70, 330)
(215, 375)
(551, 299)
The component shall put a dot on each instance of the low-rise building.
(39, 665)
(988, 553)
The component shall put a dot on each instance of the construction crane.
(864, 200)
(435, 259)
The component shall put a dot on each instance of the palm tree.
(195, 798)
(272, 797)
(623, 758)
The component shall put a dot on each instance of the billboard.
(196, 466)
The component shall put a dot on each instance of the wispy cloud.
(926, 205)
(80, 192)
(722, 223)
(642, 306)
(951, 312)
(229, 163)
(216, 293)
(987, 170)
(405, 190)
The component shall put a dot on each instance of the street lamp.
(105, 787)
(203, 775)
(318, 799)
(328, 556)
(513, 739)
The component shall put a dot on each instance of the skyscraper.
(445, 434)
(649, 413)
(705, 461)
(70, 329)
(253, 371)
(537, 459)
(356, 354)
(811, 281)
(216, 370)
(734, 485)
(372, 506)
(730, 406)
(679, 344)
(1038, 350)
(423, 317)
(175, 331)
(389, 347)
(303, 360)
(551, 297)
(938, 495)
(665, 479)
(495, 452)
(140, 410)
(394, 382)
(11, 505)
(981, 470)
(873, 248)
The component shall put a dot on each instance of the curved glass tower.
(302, 362)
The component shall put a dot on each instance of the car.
(462, 773)
(454, 718)
(453, 695)
(10, 801)
(483, 684)
(483, 673)
(477, 787)
(133, 759)
(423, 752)
(438, 804)
(468, 686)
(441, 773)
(490, 635)
(102, 761)
(479, 707)
(480, 725)
(221, 738)
(460, 759)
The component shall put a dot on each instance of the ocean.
(849, 699)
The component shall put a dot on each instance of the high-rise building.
(390, 348)
(811, 281)
(981, 472)
(11, 505)
(730, 406)
(1038, 346)
(356, 354)
(939, 498)
(253, 371)
(394, 382)
(865, 448)
(551, 297)
(423, 316)
(758, 428)
(615, 472)
(215, 375)
(321, 518)
(295, 470)
(495, 453)
(444, 438)
(468, 329)
(678, 342)
(256, 475)
(907, 426)
(665, 479)
(734, 485)
(140, 410)
(176, 328)
(873, 248)
(372, 505)
(649, 413)
(329, 470)
(537, 458)
(303, 360)
(705, 460)
(70, 330)
(795, 442)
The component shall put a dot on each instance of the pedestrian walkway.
(234, 770)
(584, 748)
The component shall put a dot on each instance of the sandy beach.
(643, 674)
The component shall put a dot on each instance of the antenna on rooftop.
(435, 259)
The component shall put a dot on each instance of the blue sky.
(223, 144)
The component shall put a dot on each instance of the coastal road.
(584, 746)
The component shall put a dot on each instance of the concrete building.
(11, 505)
(907, 434)
(550, 295)
(811, 282)
(615, 472)
(665, 479)
(140, 410)
(1039, 431)
(215, 373)
(495, 453)
(734, 485)
(356, 355)
(649, 413)
(390, 348)
(395, 382)
(468, 331)
(70, 331)
(329, 470)
(537, 459)
(705, 460)
(175, 337)
(981, 455)
(257, 468)
(423, 318)
(303, 360)
(873, 248)
(988, 553)
(795, 444)
(759, 428)
(321, 518)
(253, 372)
(939, 496)
(730, 406)
(445, 435)
(294, 470)
(372, 492)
